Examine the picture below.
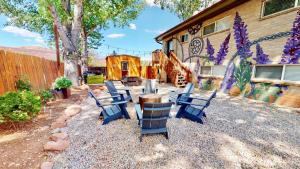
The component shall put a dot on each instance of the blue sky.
(139, 36)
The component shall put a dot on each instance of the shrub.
(19, 106)
(207, 84)
(62, 82)
(23, 84)
(46, 95)
(95, 79)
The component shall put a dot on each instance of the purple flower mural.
(241, 37)
(197, 67)
(261, 57)
(229, 78)
(223, 51)
(210, 50)
(291, 52)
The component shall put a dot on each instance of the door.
(169, 47)
(125, 68)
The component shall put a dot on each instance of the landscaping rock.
(58, 136)
(59, 123)
(47, 165)
(58, 145)
(72, 110)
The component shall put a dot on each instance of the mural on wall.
(194, 29)
(210, 50)
(291, 52)
(261, 57)
(223, 51)
(237, 79)
(195, 48)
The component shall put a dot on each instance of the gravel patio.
(238, 133)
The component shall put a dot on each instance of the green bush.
(46, 95)
(19, 106)
(207, 84)
(95, 79)
(62, 82)
(23, 84)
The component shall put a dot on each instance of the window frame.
(283, 73)
(184, 35)
(262, 15)
(215, 24)
(210, 74)
(211, 71)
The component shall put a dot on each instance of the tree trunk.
(71, 71)
(85, 53)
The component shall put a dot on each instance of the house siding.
(257, 27)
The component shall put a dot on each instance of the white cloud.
(24, 33)
(132, 26)
(150, 3)
(155, 31)
(116, 35)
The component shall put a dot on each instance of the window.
(205, 70)
(292, 73)
(184, 38)
(219, 25)
(218, 70)
(269, 72)
(274, 6)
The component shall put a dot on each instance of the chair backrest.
(155, 115)
(187, 92)
(112, 90)
(91, 94)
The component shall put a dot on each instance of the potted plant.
(63, 84)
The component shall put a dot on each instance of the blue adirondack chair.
(193, 111)
(113, 110)
(114, 92)
(153, 119)
(181, 97)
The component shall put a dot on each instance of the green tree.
(77, 30)
(183, 8)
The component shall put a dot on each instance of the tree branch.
(62, 33)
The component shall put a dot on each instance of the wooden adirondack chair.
(114, 92)
(193, 111)
(181, 97)
(111, 111)
(153, 119)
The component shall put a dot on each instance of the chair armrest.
(138, 111)
(114, 103)
(192, 104)
(124, 89)
(109, 97)
(198, 98)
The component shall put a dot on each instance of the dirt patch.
(22, 146)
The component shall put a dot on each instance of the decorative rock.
(58, 136)
(56, 146)
(235, 91)
(72, 110)
(84, 87)
(59, 123)
(47, 165)
(97, 91)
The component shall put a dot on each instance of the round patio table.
(149, 98)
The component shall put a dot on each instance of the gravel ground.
(238, 133)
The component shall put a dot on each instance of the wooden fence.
(41, 72)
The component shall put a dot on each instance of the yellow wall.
(113, 64)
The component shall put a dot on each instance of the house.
(121, 66)
(188, 39)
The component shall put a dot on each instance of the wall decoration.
(196, 46)
(261, 57)
(210, 50)
(197, 67)
(291, 52)
(242, 74)
(194, 29)
(241, 37)
(223, 51)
